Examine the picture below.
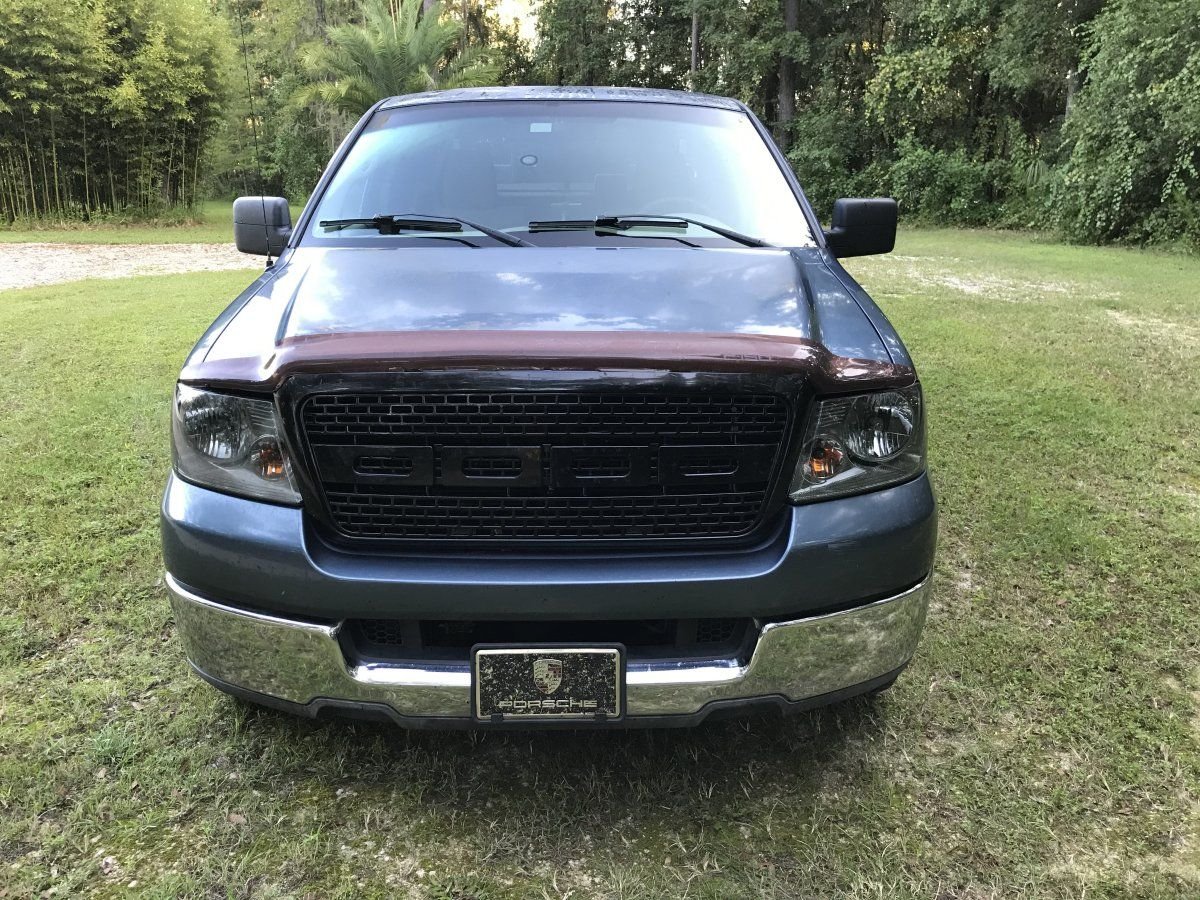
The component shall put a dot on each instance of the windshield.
(507, 164)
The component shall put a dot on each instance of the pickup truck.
(555, 408)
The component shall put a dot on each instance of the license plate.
(548, 683)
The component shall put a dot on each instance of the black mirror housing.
(261, 225)
(862, 226)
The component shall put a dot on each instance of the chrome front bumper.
(301, 665)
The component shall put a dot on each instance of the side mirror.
(261, 225)
(862, 226)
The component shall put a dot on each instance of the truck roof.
(634, 95)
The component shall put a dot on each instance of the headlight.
(856, 444)
(232, 444)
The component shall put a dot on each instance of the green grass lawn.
(1042, 744)
(210, 223)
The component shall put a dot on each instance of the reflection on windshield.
(508, 163)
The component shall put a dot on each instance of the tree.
(578, 43)
(106, 106)
(293, 141)
(1133, 134)
(396, 50)
(1077, 115)
(295, 138)
(787, 73)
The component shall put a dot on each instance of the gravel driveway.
(27, 265)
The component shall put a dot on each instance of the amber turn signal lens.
(825, 461)
(267, 460)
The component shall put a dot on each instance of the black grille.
(714, 631)
(482, 418)
(611, 466)
(514, 465)
(384, 465)
(491, 466)
(384, 515)
(387, 632)
(453, 639)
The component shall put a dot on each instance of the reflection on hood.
(329, 291)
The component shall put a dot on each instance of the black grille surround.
(395, 640)
(540, 458)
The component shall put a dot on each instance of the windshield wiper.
(396, 224)
(611, 224)
(599, 229)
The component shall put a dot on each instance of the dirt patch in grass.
(1174, 334)
(34, 264)
(952, 274)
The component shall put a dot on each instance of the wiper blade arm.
(395, 224)
(599, 229)
(652, 221)
(563, 225)
(418, 222)
(616, 224)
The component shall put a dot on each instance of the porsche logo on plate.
(581, 684)
(547, 674)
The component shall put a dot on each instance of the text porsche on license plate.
(583, 683)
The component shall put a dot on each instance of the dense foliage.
(1078, 116)
(1135, 132)
(318, 64)
(399, 49)
(105, 105)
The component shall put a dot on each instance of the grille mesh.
(485, 417)
(484, 466)
(720, 505)
(430, 637)
(714, 631)
(384, 515)
(384, 465)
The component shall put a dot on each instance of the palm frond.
(470, 69)
(395, 50)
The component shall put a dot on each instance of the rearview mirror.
(862, 226)
(261, 225)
